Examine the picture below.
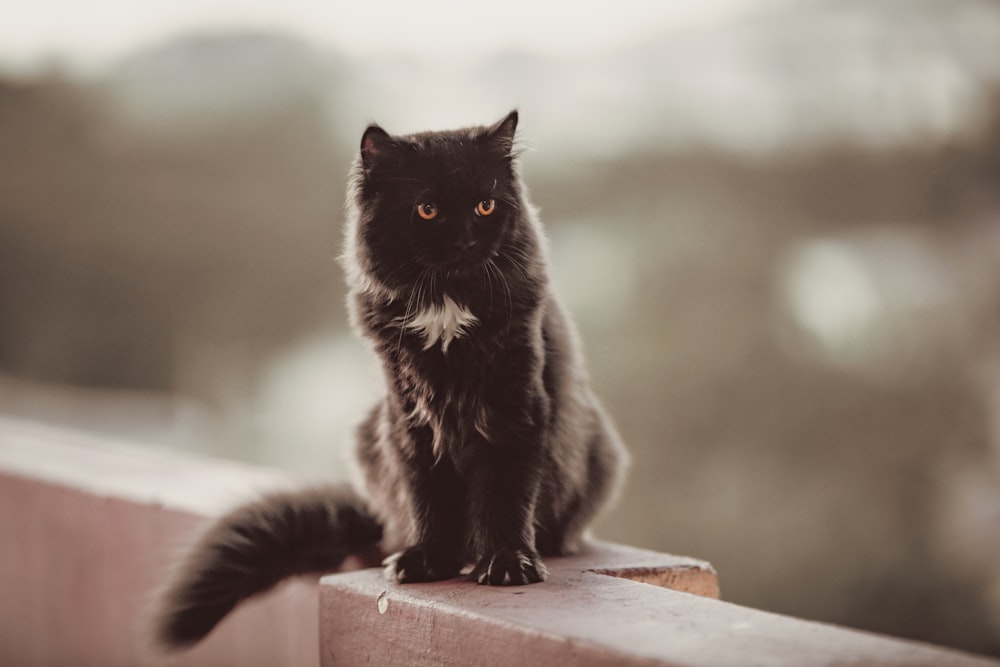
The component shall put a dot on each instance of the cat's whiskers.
(504, 287)
(416, 296)
(381, 284)
(512, 255)
(509, 201)
(519, 252)
(489, 283)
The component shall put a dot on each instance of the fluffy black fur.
(488, 448)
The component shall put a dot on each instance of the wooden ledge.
(582, 617)
(94, 523)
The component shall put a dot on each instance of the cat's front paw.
(510, 567)
(418, 564)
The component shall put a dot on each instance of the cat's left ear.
(375, 143)
(502, 133)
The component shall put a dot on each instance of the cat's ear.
(505, 128)
(375, 144)
(502, 133)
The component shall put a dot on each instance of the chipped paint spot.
(382, 602)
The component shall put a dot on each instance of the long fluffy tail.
(254, 547)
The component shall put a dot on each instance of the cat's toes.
(418, 564)
(510, 567)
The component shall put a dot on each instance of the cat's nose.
(464, 244)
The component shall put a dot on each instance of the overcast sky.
(88, 33)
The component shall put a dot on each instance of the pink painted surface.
(87, 529)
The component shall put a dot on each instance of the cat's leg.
(438, 497)
(503, 490)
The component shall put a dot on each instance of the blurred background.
(777, 225)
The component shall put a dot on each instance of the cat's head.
(444, 201)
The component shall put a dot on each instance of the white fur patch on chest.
(442, 323)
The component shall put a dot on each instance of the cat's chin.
(460, 267)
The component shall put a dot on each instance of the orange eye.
(486, 207)
(427, 210)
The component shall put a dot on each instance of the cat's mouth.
(466, 261)
(460, 268)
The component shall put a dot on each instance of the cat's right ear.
(501, 135)
(375, 143)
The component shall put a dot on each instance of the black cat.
(488, 447)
